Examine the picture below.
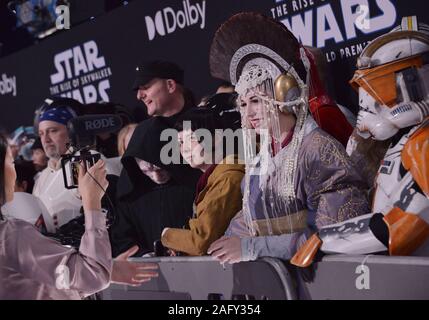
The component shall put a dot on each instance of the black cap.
(147, 71)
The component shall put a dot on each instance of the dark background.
(121, 35)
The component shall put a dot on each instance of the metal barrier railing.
(335, 277)
(378, 277)
(203, 278)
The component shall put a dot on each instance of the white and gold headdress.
(260, 55)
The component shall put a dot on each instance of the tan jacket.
(216, 205)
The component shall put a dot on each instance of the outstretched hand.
(130, 272)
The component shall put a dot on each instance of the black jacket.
(145, 208)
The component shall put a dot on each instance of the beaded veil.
(254, 53)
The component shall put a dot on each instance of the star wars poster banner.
(95, 61)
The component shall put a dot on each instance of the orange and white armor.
(393, 84)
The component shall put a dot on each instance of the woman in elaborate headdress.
(298, 178)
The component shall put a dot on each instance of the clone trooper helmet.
(392, 80)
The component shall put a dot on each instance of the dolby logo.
(167, 20)
(7, 85)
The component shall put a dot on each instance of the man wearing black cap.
(159, 84)
(146, 205)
